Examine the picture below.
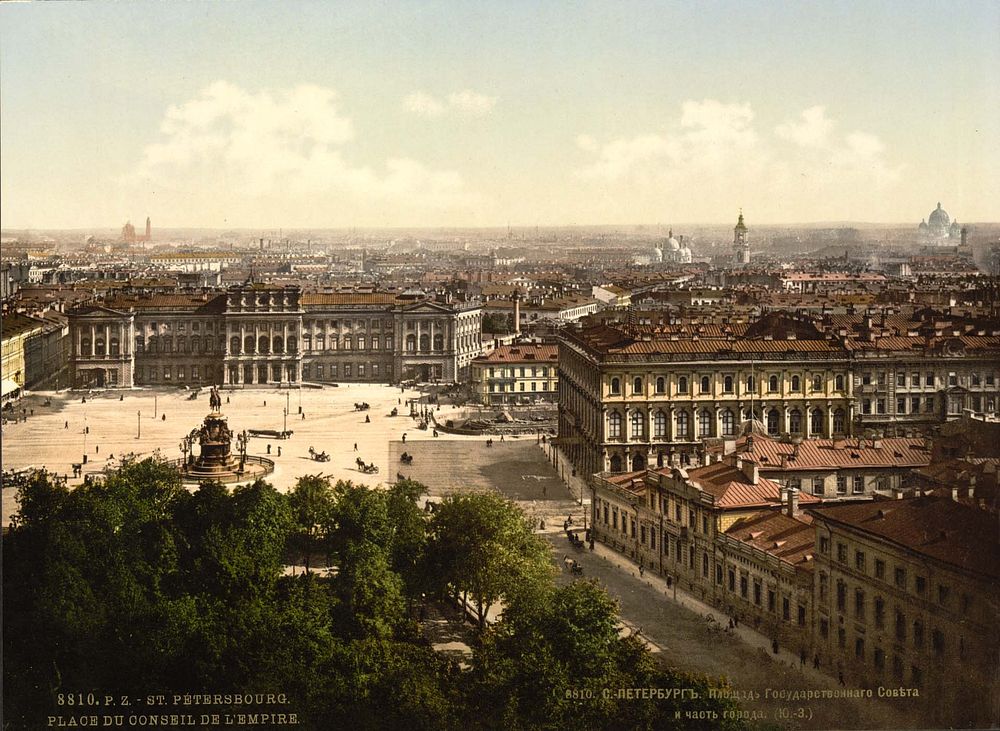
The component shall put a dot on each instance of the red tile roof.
(790, 539)
(939, 528)
(731, 488)
(832, 454)
(521, 354)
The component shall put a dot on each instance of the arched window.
(706, 384)
(682, 384)
(636, 385)
(661, 385)
(425, 342)
(705, 423)
(772, 383)
(796, 383)
(114, 347)
(277, 344)
(262, 344)
(411, 343)
(817, 383)
(773, 419)
(616, 463)
(728, 423)
(439, 342)
(248, 343)
(838, 383)
(727, 384)
(99, 346)
(182, 345)
(816, 421)
(614, 425)
(85, 347)
(638, 425)
(838, 421)
(660, 425)
(750, 383)
(683, 425)
(638, 463)
(795, 421)
(616, 386)
(293, 344)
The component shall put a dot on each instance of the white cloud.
(471, 102)
(812, 131)
(466, 102)
(269, 155)
(423, 104)
(712, 155)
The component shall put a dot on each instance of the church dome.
(938, 218)
(923, 226)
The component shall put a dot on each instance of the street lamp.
(138, 424)
(241, 439)
(284, 416)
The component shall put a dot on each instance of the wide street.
(678, 631)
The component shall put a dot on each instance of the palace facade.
(265, 334)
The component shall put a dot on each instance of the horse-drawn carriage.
(422, 426)
(368, 469)
(363, 406)
(394, 412)
(270, 433)
(406, 458)
(318, 456)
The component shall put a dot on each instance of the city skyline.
(449, 116)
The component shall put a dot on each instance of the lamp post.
(241, 440)
(284, 416)
(138, 424)
(154, 404)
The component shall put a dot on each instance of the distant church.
(129, 235)
(671, 251)
(741, 243)
(939, 228)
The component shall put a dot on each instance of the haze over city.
(462, 115)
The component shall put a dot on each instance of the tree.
(482, 545)
(312, 505)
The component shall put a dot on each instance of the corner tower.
(741, 244)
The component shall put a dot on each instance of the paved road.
(678, 631)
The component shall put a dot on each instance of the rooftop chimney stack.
(792, 502)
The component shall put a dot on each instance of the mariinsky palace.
(265, 334)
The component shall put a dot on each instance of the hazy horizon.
(448, 115)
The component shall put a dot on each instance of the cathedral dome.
(673, 244)
(938, 218)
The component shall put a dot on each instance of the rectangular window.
(319, 370)
(879, 569)
(859, 560)
(915, 380)
(347, 370)
(900, 577)
(166, 373)
(801, 615)
(859, 484)
(901, 406)
(929, 380)
(771, 603)
(361, 370)
(743, 586)
(756, 592)
(915, 405)
(841, 485)
(929, 404)
(333, 370)
(900, 379)
(952, 379)
(841, 552)
(732, 580)
(818, 487)
(374, 369)
(880, 406)
(859, 604)
(824, 544)
(786, 612)
(920, 583)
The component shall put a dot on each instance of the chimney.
(791, 502)
(517, 314)
(751, 471)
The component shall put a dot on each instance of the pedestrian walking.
(840, 677)
(404, 437)
(501, 438)
(802, 657)
(164, 417)
(265, 402)
(816, 661)
(66, 425)
(303, 416)
(279, 450)
(642, 571)
(227, 399)
(355, 446)
(268, 448)
(97, 448)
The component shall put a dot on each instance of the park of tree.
(136, 586)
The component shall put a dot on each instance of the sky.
(373, 114)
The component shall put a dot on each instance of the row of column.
(124, 346)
